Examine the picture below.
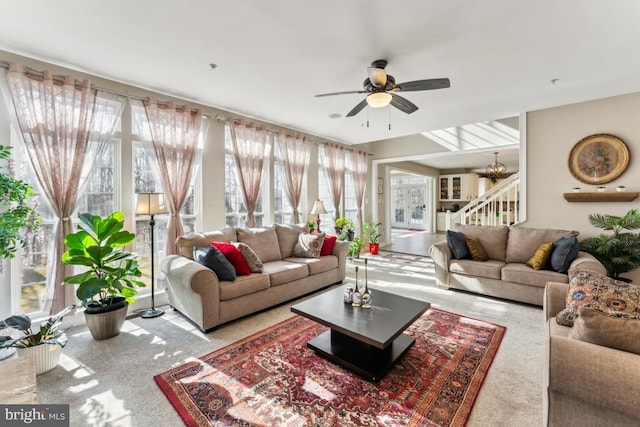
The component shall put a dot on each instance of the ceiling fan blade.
(340, 93)
(357, 108)
(428, 84)
(377, 76)
(403, 104)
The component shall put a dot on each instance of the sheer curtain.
(175, 132)
(65, 128)
(334, 156)
(294, 150)
(250, 147)
(360, 164)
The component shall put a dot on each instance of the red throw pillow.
(329, 243)
(234, 256)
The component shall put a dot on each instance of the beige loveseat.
(585, 384)
(195, 291)
(505, 274)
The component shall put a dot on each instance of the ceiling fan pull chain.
(389, 109)
(367, 116)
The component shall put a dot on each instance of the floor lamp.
(318, 208)
(151, 204)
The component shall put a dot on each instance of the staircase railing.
(498, 206)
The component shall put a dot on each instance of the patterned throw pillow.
(215, 260)
(249, 255)
(540, 258)
(309, 246)
(591, 289)
(478, 253)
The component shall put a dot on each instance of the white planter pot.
(45, 356)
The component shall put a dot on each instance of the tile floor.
(411, 241)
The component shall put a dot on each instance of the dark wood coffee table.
(367, 341)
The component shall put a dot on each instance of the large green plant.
(48, 333)
(111, 271)
(17, 218)
(619, 252)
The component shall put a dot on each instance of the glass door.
(408, 206)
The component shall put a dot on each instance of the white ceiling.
(273, 57)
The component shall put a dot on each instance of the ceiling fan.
(380, 88)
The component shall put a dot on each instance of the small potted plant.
(619, 252)
(108, 284)
(355, 246)
(44, 345)
(371, 231)
(341, 222)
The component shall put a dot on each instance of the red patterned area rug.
(273, 379)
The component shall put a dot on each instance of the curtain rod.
(5, 64)
(60, 78)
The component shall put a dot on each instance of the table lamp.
(318, 208)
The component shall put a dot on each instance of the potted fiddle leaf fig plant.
(44, 344)
(618, 252)
(110, 278)
(17, 217)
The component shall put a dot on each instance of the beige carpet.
(110, 383)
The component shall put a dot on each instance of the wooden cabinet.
(458, 187)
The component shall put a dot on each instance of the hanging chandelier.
(495, 170)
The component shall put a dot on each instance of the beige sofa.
(505, 274)
(195, 291)
(586, 384)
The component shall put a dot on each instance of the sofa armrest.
(599, 376)
(441, 254)
(193, 289)
(586, 261)
(555, 298)
(340, 249)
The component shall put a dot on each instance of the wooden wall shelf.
(625, 196)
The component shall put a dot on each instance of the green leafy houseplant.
(48, 333)
(17, 218)
(111, 271)
(355, 246)
(619, 252)
(371, 231)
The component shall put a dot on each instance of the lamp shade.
(151, 204)
(318, 208)
(379, 99)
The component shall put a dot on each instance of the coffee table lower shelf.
(365, 360)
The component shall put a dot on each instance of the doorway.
(411, 201)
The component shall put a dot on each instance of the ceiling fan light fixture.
(379, 99)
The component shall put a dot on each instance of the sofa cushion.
(203, 240)
(234, 256)
(477, 251)
(308, 246)
(490, 269)
(288, 237)
(541, 256)
(214, 259)
(457, 242)
(253, 260)
(243, 285)
(565, 251)
(590, 289)
(263, 241)
(599, 328)
(328, 244)
(523, 242)
(281, 272)
(317, 265)
(525, 275)
(493, 239)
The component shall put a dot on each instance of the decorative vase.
(366, 298)
(106, 321)
(45, 356)
(357, 296)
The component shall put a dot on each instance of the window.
(327, 223)
(350, 204)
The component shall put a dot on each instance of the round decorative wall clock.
(598, 159)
